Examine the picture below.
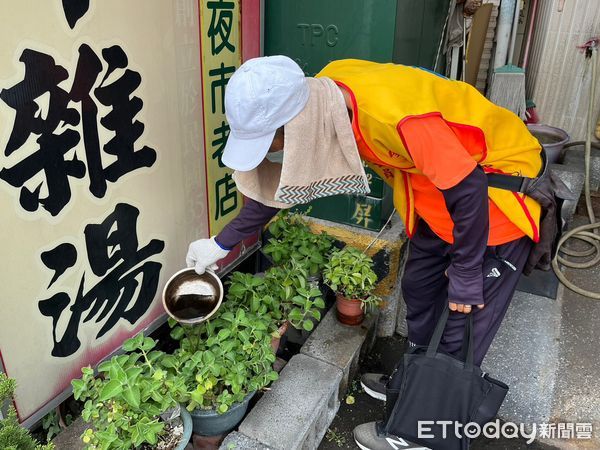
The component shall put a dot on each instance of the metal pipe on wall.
(503, 31)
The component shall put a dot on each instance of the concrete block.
(372, 320)
(401, 325)
(70, 438)
(573, 177)
(295, 413)
(340, 345)
(238, 441)
(388, 315)
(574, 156)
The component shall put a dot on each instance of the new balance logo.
(495, 273)
(398, 443)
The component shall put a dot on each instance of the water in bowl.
(545, 138)
(193, 306)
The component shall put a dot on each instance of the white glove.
(204, 253)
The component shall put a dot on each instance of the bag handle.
(436, 338)
(467, 344)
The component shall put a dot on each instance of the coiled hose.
(585, 232)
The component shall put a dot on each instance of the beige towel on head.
(320, 157)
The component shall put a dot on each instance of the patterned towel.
(320, 157)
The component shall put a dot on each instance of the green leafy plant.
(252, 293)
(293, 240)
(12, 435)
(350, 273)
(51, 424)
(284, 293)
(333, 435)
(221, 361)
(125, 402)
(301, 301)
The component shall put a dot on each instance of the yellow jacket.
(385, 95)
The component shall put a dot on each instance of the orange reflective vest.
(385, 95)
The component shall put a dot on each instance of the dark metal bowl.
(191, 298)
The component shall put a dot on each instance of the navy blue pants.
(425, 290)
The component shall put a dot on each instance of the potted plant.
(250, 292)
(283, 295)
(12, 435)
(219, 366)
(302, 301)
(292, 239)
(350, 275)
(130, 405)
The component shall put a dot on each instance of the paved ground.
(366, 409)
(577, 387)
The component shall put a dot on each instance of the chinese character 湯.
(128, 279)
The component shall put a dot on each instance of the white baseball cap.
(261, 96)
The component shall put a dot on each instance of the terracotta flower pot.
(207, 442)
(281, 330)
(349, 311)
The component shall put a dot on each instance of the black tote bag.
(431, 385)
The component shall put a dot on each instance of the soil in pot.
(349, 311)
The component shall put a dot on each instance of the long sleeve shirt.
(252, 217)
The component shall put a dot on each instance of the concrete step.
(571, 173)
(70, 438)
(296, 411)
(237, 441)
(574, 156)
(299, 407)
(341, 345)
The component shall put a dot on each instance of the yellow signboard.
(101, 180)
(220, 41)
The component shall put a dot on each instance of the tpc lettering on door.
(315, 33)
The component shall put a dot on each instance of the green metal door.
(419, 26)
(315, 32)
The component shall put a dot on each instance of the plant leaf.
(148, 344)
(223, 334)
(177, 333)
(308, 325)
(78, 388)
(132, 373)
(104, 366)
(110, 390)
(132, 396)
